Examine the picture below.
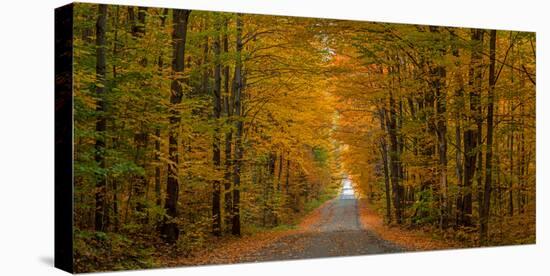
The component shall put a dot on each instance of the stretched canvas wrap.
(187, 137)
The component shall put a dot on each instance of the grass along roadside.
(410, 239)
(229, 249)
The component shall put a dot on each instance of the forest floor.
(343, 226)
(410, 239)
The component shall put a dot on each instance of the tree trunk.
(478, 84)
(384, 153)
(170, 231)
(238, 93)
(484, 219)
(228, 107)
(280, 172)
(216, 156)
(458, 156)
(511, 185)
(157, 168)
(160, 65)
(470, 134)
(394, 159)
(270, 185)
(438, 74)
(287, 181)
(101, 124)
(458, 105)
(523, 164)
(140, 138)
(114, 181)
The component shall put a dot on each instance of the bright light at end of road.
(347, 189)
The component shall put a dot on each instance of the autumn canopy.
(194, 129)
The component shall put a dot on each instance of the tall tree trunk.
(160, 65)
(280, 172)
(170, 231)
(458, 105)
(270, 185)
(438, 74)
(511, 156)
(524, 162)
(478, 84)
(100, 126)
(484, 219)
(442, 144)
(228, 107)
(384, 153)
(114, 181)
(216, 155)
(157, 168)
(498, 184)
(238, 93)
(140, 137)
(287, 181)
(394, 158)
(470, 134)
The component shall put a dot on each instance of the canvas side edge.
(63, 257)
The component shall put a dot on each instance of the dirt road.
(337, 232)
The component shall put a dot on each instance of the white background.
(27, 129)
